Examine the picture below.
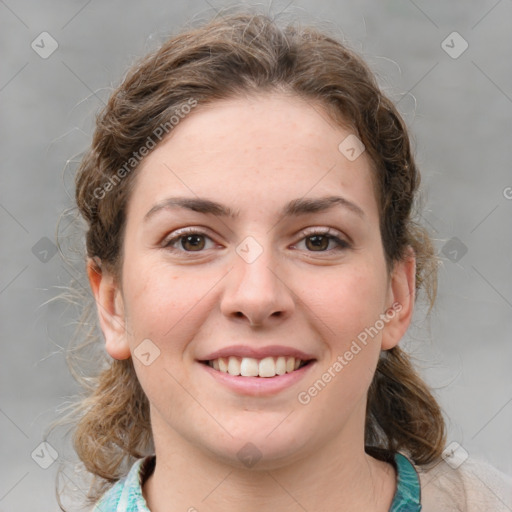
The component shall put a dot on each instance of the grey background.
(459, 111)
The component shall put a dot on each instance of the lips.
(257, 352)
(257, 386)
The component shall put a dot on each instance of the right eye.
(187, 240)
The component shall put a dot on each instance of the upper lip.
(258, 353)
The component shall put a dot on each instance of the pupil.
(195, 241)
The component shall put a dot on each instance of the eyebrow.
(299, 206)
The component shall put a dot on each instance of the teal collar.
(408, 492)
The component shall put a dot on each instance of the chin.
(254, 449)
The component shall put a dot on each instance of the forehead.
(260, 149)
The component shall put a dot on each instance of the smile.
(251, 367)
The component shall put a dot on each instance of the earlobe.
(402, 297)
(110, 307)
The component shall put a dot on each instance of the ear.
(109, 303)
(402, 288)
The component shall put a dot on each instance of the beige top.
(474, 486)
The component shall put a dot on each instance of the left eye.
(320, 242)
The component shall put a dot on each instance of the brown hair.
(229, 56)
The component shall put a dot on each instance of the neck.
(337, 475)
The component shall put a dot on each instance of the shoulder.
(126, 494)
(472, 486)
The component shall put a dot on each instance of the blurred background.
(446, 64)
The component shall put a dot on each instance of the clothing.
(472, 487)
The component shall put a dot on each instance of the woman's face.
(226, 253)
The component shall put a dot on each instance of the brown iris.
(317, 242)
(194, 242)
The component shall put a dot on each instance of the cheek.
(164, 306)
(166, 309)
(345, 308)
(347, 301)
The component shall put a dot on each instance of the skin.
(254, 155)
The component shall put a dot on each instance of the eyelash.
(341, 244)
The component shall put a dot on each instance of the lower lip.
(258, 386)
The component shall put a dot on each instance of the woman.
(254, 262)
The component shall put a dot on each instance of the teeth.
(250, 367)
(223, 364)
(267, 367)
(281, 365)
(234, 366)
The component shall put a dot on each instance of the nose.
(256, 293)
